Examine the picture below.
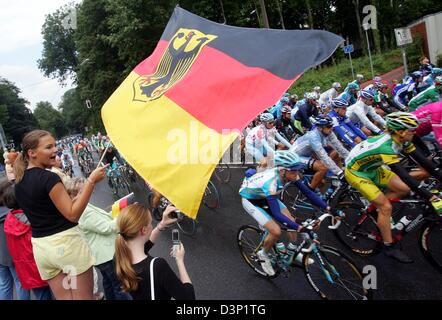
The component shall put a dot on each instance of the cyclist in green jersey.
(374, 164)
(430, 94)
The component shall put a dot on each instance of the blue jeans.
(111, 284)
(43, 293)
(8, 276)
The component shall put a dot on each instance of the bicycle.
(360, 233)
(337, 191)
(222, 172)
(332, 275)
(116, 180)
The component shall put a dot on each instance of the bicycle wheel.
(186, 224)
(358, 230)
(297, 202)
(250, 242)
(211, 196)
(430, 240)
(334, 276)
(222, 172)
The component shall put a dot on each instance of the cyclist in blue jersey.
(313, 149)
(260, 199)
(407, 90)
(305, 109)
(429, 80)
(342, 125)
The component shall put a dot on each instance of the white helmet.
(336, 85)
(266, 117)
(311, 95)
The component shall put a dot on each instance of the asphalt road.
(218, 271)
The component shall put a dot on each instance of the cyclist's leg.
(265, 220)
(320, 172)
(291, 235)
(363, 182)
(396, 189)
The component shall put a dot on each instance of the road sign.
(403, 36)
(348, 49)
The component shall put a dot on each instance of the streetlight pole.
(366, 26)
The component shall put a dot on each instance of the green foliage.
(50, 119)
(20, 120)
(4, 115)
(113, 36)
(341, 72)
(74, 111)
(439, 60)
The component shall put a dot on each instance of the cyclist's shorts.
(307, 162)
(259, 209)
(369, 183)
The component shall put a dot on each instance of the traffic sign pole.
(404, 58)
(351, 66)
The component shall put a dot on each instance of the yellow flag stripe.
(167, 146)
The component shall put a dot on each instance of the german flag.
(178, 111)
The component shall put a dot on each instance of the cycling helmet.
(359, 77)
(294, 96)
(339, 103)
(353, 85)
(284, 100)
(311, 95)
(323, 121)
(401, 121)
(336, 85)
(286, 109)
(317, 88)
(288, 160)
(384, 84)
(438, 81)
(266, 117)
(367, 94)
(436, 71)
(416, 74)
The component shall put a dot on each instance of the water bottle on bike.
(281, 249)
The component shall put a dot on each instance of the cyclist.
(430, 120)
(350, 93)
(306, 108)
(358, 112)
(326, 97)
(263, 139)
(374, 164)
(405, 91)
(342, 126)
(311, 148)
(285, 125)
(259, 197)
(358, 81)
(429, 80)
(276, 109)
(430, 94)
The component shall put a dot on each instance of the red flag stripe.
(250, 89)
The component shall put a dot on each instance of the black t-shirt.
(167, 284)
(32, 194)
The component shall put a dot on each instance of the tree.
(59, 56)
(20, 119)
(4, 115)
(50, 119)
(75, 113)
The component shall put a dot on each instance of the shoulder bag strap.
(152, 285)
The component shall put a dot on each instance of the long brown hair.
(129, 223)
(30, 141)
